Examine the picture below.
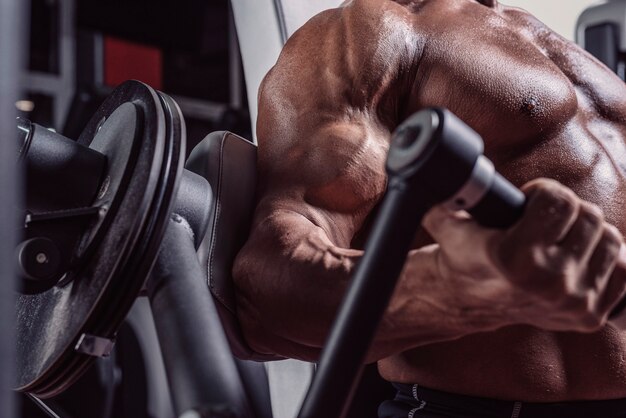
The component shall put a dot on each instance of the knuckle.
(551, 203)
(551, 261)
(598, 279)
(568, 285)
(592, 214)
(535, 184)
(607, 250)
(612, 236)
(553, 197)
(539, 184)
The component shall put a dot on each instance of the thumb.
(616, 289)
(445, 225)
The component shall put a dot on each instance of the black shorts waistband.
(416, 398)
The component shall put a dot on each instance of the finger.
(550, 212)
(615, 289)
(447, 226)
(585, 233)
(604, 259)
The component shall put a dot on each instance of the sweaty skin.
(515, 315)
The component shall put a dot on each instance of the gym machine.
(601, 31)
(101, 215)
(12, 42)
(115, 214)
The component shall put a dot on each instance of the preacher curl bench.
(115, 214)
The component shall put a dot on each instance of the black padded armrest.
(228, 162)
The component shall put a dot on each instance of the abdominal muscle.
(519, 363)
(523, 363)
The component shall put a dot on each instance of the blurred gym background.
(80, 50)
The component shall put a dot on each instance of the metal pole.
(234, 63)
(343, 357)
(202, 374)
(12, 48)
(67, 64)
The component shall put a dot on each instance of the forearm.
(288, 303)
(288, 297)
(427, 307)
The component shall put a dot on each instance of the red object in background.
(126, 60)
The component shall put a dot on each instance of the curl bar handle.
(434, 158)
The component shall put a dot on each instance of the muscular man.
(514, 316)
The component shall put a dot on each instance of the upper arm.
(322, 145)
(321, 170)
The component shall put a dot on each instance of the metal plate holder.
(94, 346)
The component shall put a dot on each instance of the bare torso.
(544, 107)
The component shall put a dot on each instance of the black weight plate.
(49, 324)
(119, 298)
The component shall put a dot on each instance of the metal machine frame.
(601, 30)
(12, 46)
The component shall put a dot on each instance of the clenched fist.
(561, 267)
